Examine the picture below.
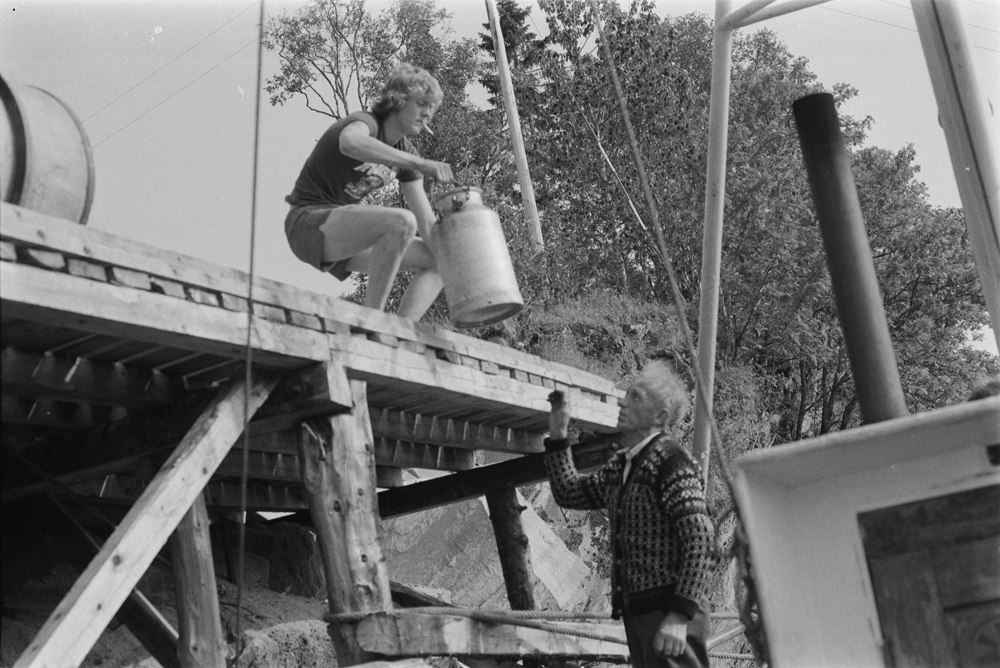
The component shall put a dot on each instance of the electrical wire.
(895, 25)
(175, 93)
(157, 71)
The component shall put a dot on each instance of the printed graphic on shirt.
(375, 176)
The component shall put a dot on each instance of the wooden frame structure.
(126, 365)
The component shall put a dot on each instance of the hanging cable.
(178, 57)
(175, 93)
(740, 551)
(244, 471)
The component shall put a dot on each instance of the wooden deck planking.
(82, 293)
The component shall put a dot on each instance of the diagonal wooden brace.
(78, 621)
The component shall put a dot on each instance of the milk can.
(472, 256)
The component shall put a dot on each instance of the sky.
(165, 91)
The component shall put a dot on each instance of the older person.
(330, 229)
(661, 535)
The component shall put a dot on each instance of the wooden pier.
(124, 378)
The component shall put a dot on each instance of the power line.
(895, 25)
(168, 64)
(144, 114)
(984, 4)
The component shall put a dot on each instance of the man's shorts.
(304, 236)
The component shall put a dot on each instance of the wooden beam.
(24, 227)
(406, 455)
(55, 377)
(138, 614)
(512, 547)
(431, 377)
(464, 485)
(405, 634)
(201, 643)
(59, 299)
(129, 463)
(73, 628)
(409, 426)
(317, 390)
(338, 471)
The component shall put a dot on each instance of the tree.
(777, 309)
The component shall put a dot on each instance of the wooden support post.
(73, 628)
(338, 472)
(201, 640)
(512, 546)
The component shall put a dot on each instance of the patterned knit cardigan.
(662, 538)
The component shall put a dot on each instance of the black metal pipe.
(849, 259)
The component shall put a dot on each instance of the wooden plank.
(137, 613)
(406, 426)
(338, 471)
(407, 455)
(58, 299)
(201, 643)
(463, 485)
(25, 374)
(45, 259)
(29, 227)
(73, 628)
(406, 634)
(910, 612)
(969, 572)
(317, 390)
(133, 279)
(932, 523)
(369, 360)
(264, 497)
(84, 269)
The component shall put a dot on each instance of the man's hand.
(439, 171)
(559, 415)
(671, 637)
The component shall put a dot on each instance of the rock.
(301, 644)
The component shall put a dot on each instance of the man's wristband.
(556, 444)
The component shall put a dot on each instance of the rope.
(523, 618)
(755, 631)
(731, 655)
(244, 472)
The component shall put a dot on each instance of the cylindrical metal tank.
(46, 164)
(473, 259)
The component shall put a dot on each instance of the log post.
(338, 471)
(512, 546)
(199, 624)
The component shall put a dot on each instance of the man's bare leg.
(384, 232)
(425, 286)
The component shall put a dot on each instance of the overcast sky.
(165, 91)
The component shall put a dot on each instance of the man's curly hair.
(406, 81)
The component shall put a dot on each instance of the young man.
(330, 229)
(662, 539)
